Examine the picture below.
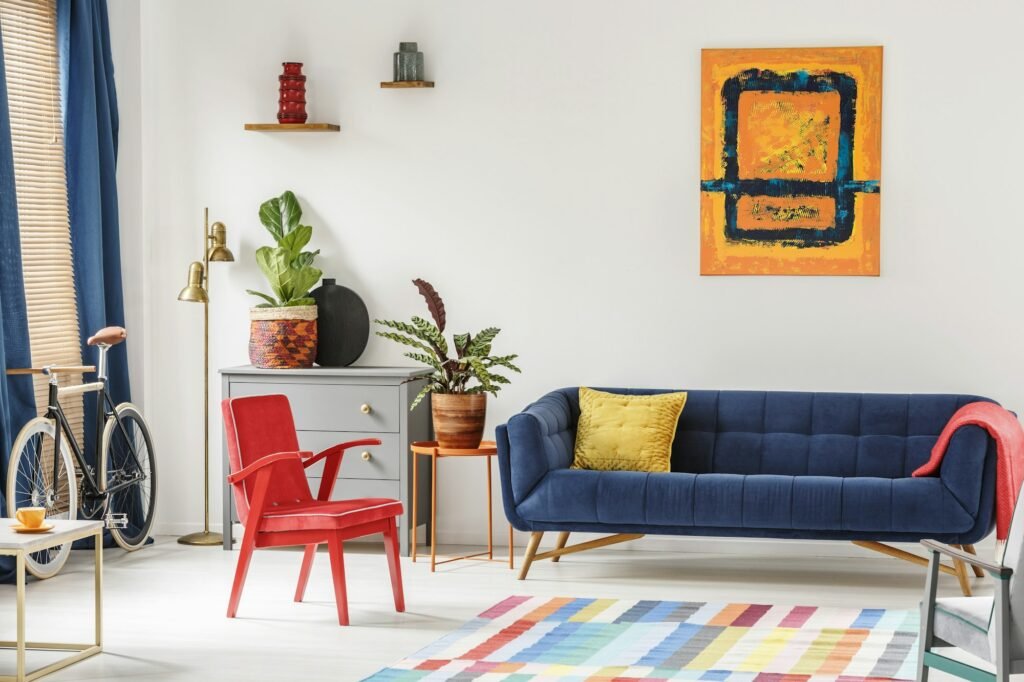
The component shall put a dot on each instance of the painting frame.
(791, 161)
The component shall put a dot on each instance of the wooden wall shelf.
(293, 127)
(407, 84)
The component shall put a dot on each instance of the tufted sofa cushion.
(781, 464)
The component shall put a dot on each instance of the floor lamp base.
(203, 538)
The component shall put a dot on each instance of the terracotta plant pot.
(282, 338)
(458, 419)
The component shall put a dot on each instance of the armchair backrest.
(257, 426)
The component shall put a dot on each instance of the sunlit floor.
(164, 606)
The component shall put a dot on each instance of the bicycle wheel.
(128, 459)
(39, 476)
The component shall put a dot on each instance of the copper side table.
(487, 450)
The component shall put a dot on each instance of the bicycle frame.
(92, 487)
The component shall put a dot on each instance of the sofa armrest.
(970, 456)
(539, 439)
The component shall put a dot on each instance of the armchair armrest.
(995, 570)
(338, 449)
(333, 456)
(262, 463)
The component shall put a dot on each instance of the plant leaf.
(505, 361)
(296, 239)
(305, 258)
(434, 302)
(269, 299)
(461, 342)
(405, 328)
(405, 340)
(481, 343)
(432, 333)
(480, 373)
(298, 302)
(425, 359)
(270, 216)
(420, 396)
(291, 212)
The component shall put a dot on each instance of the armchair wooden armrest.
(339, 449)
(333, 456)
(995, 570)
(261, 463)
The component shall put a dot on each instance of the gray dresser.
(336, 404)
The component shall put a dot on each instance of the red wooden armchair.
(274, 503)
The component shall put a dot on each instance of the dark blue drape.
(90, 143)
(17, 401)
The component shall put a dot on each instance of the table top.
(355, 372)
(64, 531)
(429, 447)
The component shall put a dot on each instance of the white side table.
(19, 545)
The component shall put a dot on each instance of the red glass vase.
(291, 101)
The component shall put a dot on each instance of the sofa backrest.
(806, 434)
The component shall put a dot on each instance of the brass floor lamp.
(197, 291)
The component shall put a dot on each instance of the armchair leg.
(241, 571)
(927, 617)
(563, 537)
(531, 551)
(307, 564)
(335, 547)
(394, 565)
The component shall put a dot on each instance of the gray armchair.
(991, 628)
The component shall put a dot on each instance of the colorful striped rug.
(533, 638)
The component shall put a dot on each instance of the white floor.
(164, 606)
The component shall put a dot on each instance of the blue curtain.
(90, 144)
(17, 400)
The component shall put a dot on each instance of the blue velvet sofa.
(759, 464)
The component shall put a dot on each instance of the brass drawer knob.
(367, 456)
(365, 408)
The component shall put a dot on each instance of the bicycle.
(121, 489)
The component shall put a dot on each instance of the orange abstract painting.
(791, 161)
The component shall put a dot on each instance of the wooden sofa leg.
(563, 538)
(978, 572)
(959, 568)
(531, 551)
(961, 576)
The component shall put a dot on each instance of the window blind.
(29, 29)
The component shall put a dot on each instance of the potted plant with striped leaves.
(464, 372)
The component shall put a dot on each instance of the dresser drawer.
(334, 407)
(384, 458)
(348, 488)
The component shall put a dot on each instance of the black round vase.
(343, 324)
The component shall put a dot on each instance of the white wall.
(549, 185)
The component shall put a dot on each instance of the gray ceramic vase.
(408, 63)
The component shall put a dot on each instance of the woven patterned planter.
(282, 338)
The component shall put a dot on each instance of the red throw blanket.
(1004, 428)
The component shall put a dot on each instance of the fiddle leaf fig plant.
(289, 270)
(472, 361)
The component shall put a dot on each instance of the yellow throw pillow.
(626, 432)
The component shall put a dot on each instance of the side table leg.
(490, 518)
(433, 512)
(415, 502)
(20, 569)
(98, 586)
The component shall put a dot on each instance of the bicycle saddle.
(110, 336)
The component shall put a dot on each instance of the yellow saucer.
(18, 528)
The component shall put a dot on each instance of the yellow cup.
(31, 517)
